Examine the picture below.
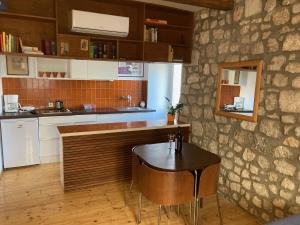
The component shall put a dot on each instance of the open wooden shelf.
(34, 23)
(168, 26)
(54, 56)
(28, 17)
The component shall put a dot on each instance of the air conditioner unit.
(103, 24)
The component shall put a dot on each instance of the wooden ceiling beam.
(213, 4)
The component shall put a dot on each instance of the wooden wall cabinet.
(37, 20)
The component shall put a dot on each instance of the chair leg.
(191, 211)
(166, 210)
(219, 209)
(130, 187)
(159, 215)
(129, 193)
(201, 203)
(178, 210)
(197, 211)
(139, 219)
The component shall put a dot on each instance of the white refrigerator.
(20, 142)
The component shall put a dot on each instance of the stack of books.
(30, 50)
(9, 43)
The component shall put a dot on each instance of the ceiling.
(193, 5)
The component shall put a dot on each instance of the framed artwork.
(84, 45)
(64, 48)
(131, 69)
(17, 65)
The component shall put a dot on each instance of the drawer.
(48, 132)
(66, 119)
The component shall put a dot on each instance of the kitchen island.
(94, 154)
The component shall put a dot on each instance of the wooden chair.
(208, 186)
(165, 188)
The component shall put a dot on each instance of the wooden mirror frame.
(252, 63)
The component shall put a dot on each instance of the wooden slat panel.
(96, 159)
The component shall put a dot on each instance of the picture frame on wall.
(131, 69)
(17, 65)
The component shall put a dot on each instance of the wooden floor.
(34, 196)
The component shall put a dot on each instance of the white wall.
(159, 86)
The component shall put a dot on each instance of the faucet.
(128, 98)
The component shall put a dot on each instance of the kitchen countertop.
(73, 112)
(91, 129)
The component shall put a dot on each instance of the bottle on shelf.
(114, 51)
(105, 51)
(100, 50)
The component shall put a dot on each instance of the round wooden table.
(163, 157)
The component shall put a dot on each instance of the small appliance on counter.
(89, 107)
(11, 103)
(59, 105)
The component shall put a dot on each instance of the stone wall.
(260, 161)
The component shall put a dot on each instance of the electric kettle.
(59, 105)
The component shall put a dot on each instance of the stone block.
(289, 101)
(291, 42)
(271, 128)
(285, 168)
(252, 7)
(281, 16)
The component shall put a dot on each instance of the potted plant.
(172, 110)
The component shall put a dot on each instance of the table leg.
(195, 196)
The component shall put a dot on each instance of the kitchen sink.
(130, 109)
(51, 112)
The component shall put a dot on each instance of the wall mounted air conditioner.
(103, 24)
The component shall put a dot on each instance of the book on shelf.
(9, 43)
(156, 21)
(150, 34)
(170, 53)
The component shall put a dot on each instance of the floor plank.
(33, 196)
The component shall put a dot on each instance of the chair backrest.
(209, 179)
(166, 188)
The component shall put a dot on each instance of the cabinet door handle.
(20, 126)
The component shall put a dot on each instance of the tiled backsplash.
(38, 92)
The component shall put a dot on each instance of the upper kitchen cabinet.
(102, 70)
(99, 30)
(78, 69)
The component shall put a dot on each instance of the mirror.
(238, 89)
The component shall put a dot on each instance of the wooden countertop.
(90, 129)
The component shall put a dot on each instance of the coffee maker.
(11, 103)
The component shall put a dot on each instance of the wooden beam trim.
(213, 4)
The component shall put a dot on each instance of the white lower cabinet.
(49, 137)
